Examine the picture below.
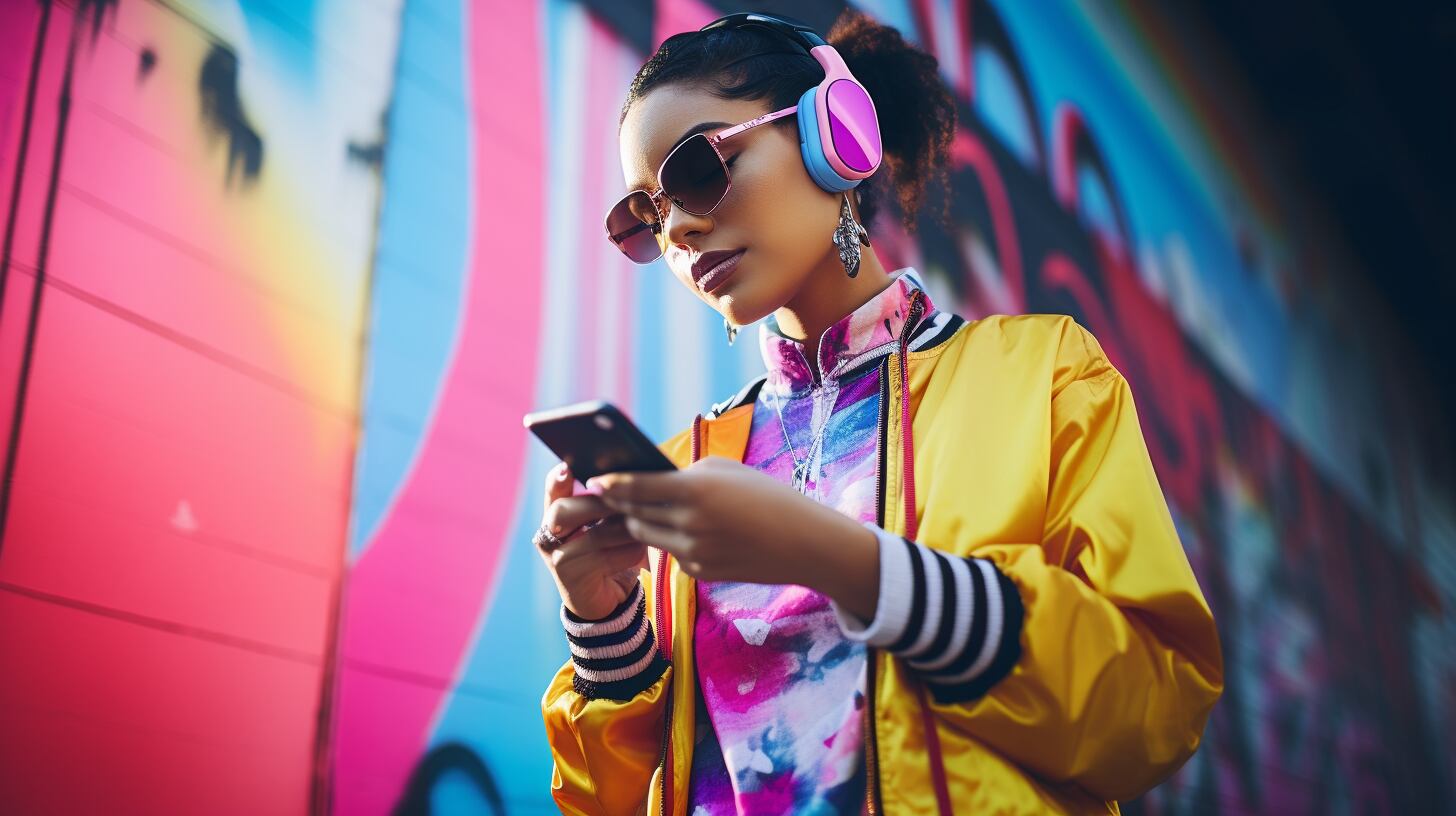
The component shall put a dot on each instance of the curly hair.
(916, 112)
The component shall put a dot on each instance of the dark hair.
(916, 111)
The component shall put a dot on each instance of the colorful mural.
(280, 279)
(190, 191)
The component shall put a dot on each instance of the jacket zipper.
(884, 422)
(872, 748)
(908, 477)
(932, 739)
(664, 640)
(697, 434)
(872, 770)
(665, 644)
(873, 803)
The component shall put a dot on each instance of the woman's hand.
(596, 568)
(726, 521)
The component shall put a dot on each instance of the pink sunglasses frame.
(713, 142)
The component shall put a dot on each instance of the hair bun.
(916, 111)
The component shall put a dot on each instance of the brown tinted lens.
(633, 226)
(694, 176)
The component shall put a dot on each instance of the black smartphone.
(595, 437)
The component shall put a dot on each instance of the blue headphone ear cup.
(812, 148)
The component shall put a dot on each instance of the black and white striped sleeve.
(615, 658)
(956, 622)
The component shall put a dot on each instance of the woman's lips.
(716, 276)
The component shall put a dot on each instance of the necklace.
(824, 407)
(802, 467)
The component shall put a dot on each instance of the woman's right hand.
(595, 569)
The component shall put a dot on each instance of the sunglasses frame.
(657, 197)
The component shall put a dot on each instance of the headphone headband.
(795, 30)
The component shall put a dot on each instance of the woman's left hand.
(726, 521)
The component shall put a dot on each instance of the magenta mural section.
(184, 287)
(432, 562)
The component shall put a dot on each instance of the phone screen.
(594, 438)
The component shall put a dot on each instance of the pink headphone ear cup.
(853, 140)
(847, 121)
(812, 148)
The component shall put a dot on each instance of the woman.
(924, 563)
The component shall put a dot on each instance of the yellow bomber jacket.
(1027, 452)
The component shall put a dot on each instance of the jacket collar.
(854, 338)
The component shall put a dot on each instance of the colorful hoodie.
(781, 685)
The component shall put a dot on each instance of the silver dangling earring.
(848, 236)
(731, 329)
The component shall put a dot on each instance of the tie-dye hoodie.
(780, 686)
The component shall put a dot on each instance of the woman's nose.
(682, 225)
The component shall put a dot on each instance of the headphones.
(839, 133)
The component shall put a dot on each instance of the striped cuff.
(956, 622)
(615, 658)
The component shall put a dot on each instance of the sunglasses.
(694, 176)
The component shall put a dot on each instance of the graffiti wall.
(191, 194)
(280, 279)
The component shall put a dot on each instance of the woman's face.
(774, 209)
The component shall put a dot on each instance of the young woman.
(923, 564)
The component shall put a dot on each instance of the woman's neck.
(827, 296)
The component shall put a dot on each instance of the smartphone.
(595, 437)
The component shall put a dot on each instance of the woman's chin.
(741, 308)
(746, 299)
(732, 311)
(731, 300)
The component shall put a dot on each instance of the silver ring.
(545, 537)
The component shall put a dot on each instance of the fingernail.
(592, 483)
(561, 472)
